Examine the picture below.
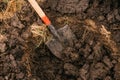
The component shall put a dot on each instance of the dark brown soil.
(93, 56)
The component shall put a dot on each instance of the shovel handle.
(40, 12)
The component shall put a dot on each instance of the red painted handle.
(46, 20)
(40, 12)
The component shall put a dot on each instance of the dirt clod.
(99, 71)
(94, 55)
(70, 69)
(3, 47)
(117, 69)
(70, 6)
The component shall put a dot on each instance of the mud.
(95, 55)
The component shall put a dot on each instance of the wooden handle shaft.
(40, 12)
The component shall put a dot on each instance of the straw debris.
(11, 8)
(105, 35)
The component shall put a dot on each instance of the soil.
(95, 55)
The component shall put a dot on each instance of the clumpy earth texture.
(94, 55)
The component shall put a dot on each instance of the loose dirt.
(95, 55)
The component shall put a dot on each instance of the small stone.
(3, 47)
